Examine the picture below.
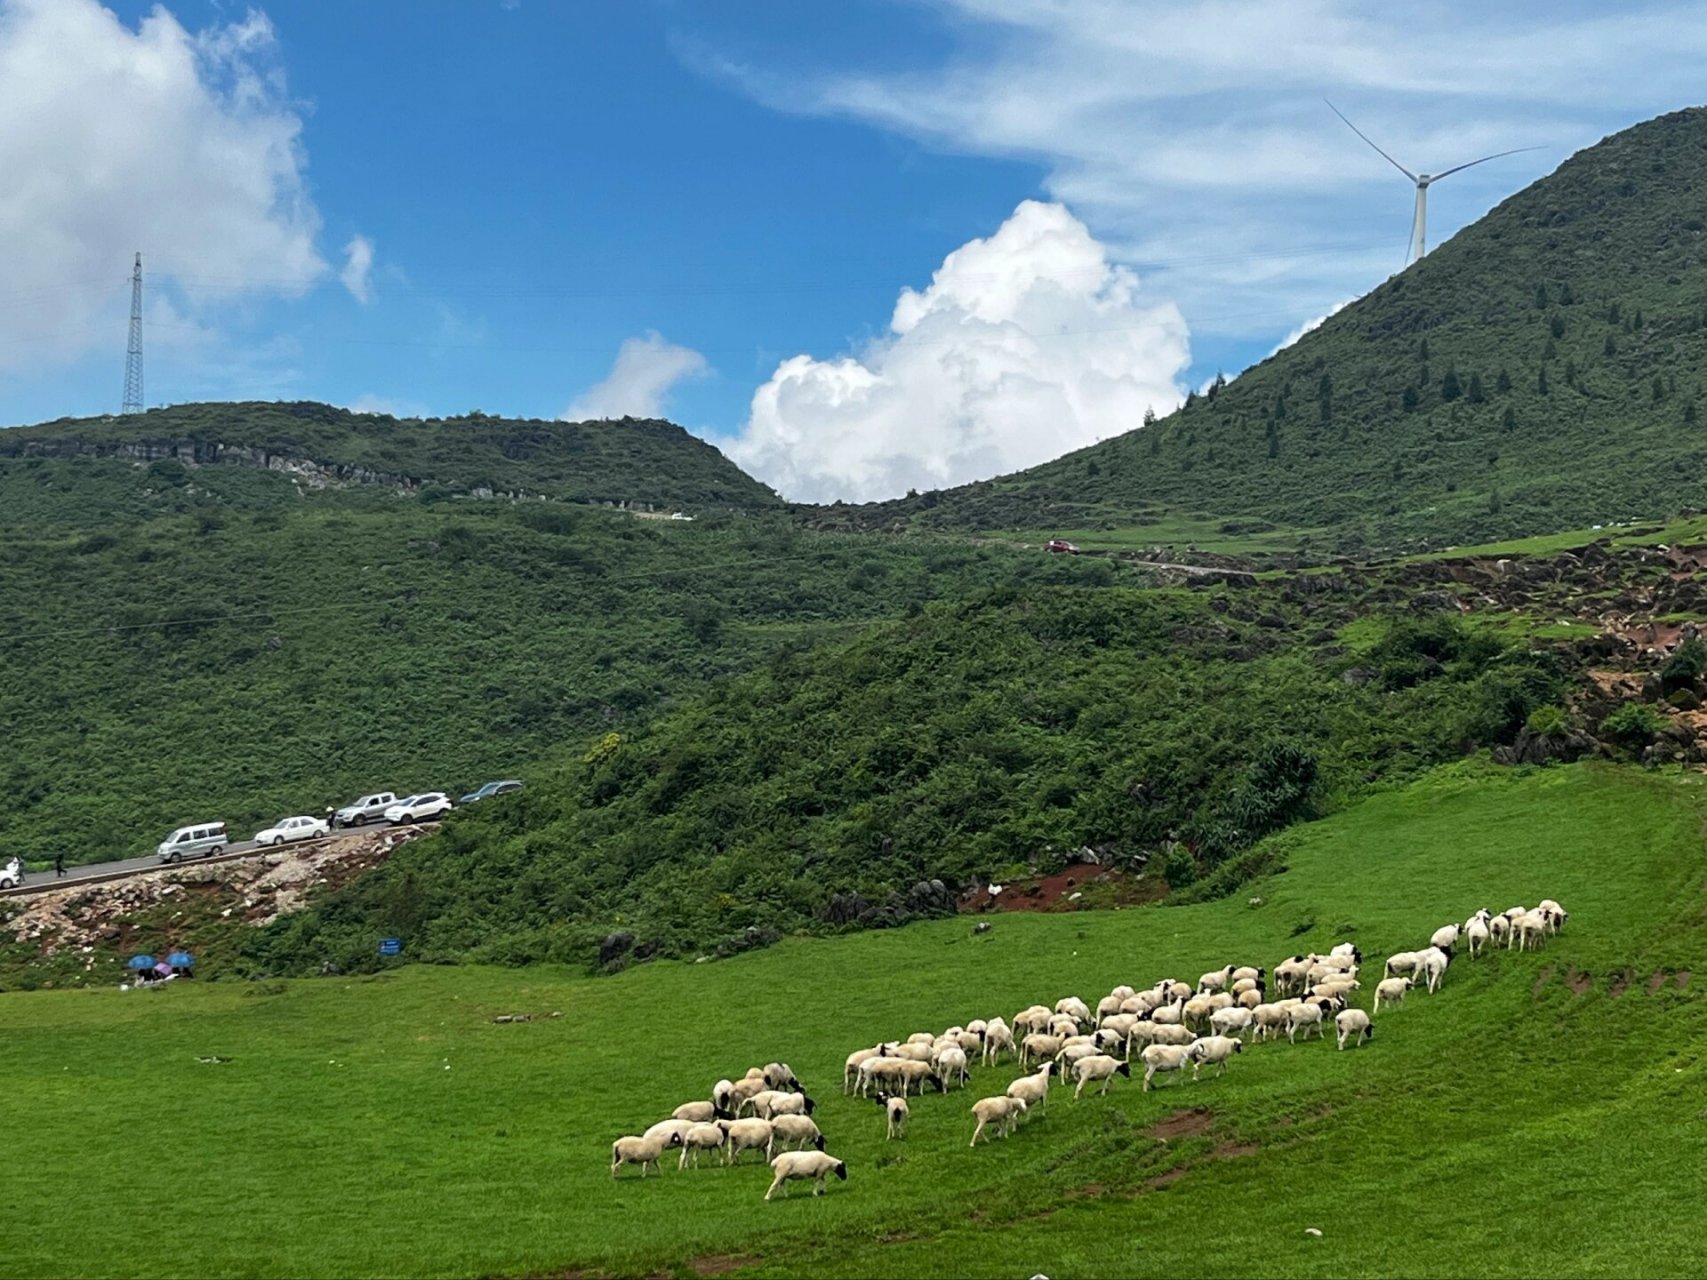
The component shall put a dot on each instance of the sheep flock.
(1169, 1027)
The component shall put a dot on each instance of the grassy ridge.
(222, 646)
(1545, 368)
(1484, 1129)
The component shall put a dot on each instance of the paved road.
(92, 872)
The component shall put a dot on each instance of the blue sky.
(863, 247)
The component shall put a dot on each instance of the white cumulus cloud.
(182, 145)
(357, 275)
(1024, 346)
(639, 383)
(1310, 326)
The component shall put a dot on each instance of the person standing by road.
(59, 866)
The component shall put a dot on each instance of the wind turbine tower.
(133, 352)
(1419, 215)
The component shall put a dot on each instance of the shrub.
(1633, 724)
(1684, 667)
(1547, 722)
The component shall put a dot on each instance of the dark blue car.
(491, 789)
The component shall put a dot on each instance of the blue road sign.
(390, 946)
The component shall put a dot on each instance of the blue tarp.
(140, 962)
(180, 960)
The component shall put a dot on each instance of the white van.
(206, 839)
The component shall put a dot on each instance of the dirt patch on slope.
(1182, 1124)
(712, 1264)
(1080, 885)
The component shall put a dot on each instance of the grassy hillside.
(632, 461)
(979, 741)
(1546, 368)
(1537, 1117)
(215, 643)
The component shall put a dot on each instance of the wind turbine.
(1419, 216)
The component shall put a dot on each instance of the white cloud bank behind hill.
(1025, 345)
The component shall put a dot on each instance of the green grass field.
(1542, 1115)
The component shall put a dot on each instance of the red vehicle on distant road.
(1061, 544)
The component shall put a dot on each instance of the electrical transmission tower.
(133, 353)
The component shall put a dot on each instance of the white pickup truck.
(368, 809)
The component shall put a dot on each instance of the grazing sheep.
(667, 1127)
(1169, 1014)
(916, 1050)
(1074, 1008)
(1036, 1047)
(1292, 974)
(997, 1040)
(1251, 999)
(1402, 962)
(779, 1075)
(1175, 992)
(1445, 937)
(1164, 1057)
(1353, 1024)
(744, 1091)
(850, 1073)
(797, 1131)
(1337, 988)
(1033, 1089)
(1431, 967)
(705, 1137)
(1197, 1011)
(1528, 927)
(1307, 1015)
(1109, 1004)
(747, 1135)
(1392, 990)
(977, 1026)
(904, 1071)
(1556, 915)
(1099, 1066)
(786, 1104)
(1269, 1018)
(1172, 1034)
(641, 1151)
(1213, 1051)
(699, 1112)
(805, 1164)
(1242, 985)
(1235, 1021)
(1248, 973)
(1347, 949)
(1216, 979)
(1034, 1019)
(951, 1064)
(1001, 1112)
(1477, 933)
(720, 1095)
(895, 1108)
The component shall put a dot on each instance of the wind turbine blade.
(1436, 177)
(1389, 159)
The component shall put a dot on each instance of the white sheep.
(1215, 980)
(1499, 929)
(667, 1127)
(641, 1151)
(951, 1064)
(1033, 1089)
(1307, 1015)
(1338, 987)
(902, 1071)
(1248, 973)
(743, 1091)
(1171, 1034)
(798, 1131)
(1164, 1057)
(1431, 967)
(998, 1039)
(786, 1104)
(1401, 963)
(1531, 925)
(1037, 1046)
(1445, 937)
(1269, 1018)
(805, 1164)
(1001, 1112)
(1477, 934)
(1251, 999)
(1063, 1025)
(779, 1075)
(1099, 1066)
(1213, 1051)
(720, 1099)
(1036, 1018)
(1292, 974)
(1353, 1024)
(895, 1108)
(1235, 1021)
(1174, 991)
(1109, 1004)
(1169, 1014)
(747, 1135)
(1197, 1010)
(698, 1112)
(1242, 985)
(704, 1137)
(1074, 1008)
(1556, 915)
(1392, 990)
(1347, 949)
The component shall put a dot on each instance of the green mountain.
(186, 641)
(1544, 369)
(632, 463)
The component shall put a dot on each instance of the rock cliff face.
(206, 453)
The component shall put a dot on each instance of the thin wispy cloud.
(1192, 137)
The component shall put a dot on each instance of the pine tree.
(1659, 388)
(1689, 413)
(1541, 381)
(1570, 373)
(1149, 417)
(1502, 384)
(1273, 439)
(1558, 326)
(1611, 347)
(1449, 387)
(1411, 399)
(1549, 351)
(1476, 394)
(1540, 297)
(1508, 420)
(1566, 297)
